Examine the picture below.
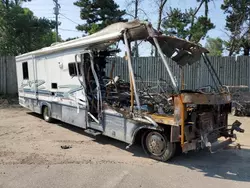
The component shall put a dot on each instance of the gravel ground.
(31, 156)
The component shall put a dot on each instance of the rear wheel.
(158, 146)
(46, 114)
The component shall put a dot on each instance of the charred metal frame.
(99, 95)
(132, 76)
(151, 34)
(180, 99)
(180, 107)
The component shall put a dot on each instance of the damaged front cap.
(181, 51)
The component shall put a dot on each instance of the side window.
(54, 85)
(72, 69)
(25, 71)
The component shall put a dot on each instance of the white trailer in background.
(67, 82)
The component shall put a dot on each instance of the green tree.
(238, 25)
(21, 31)
(160, 8)
(186, 24)
(98, 14)
(7, 3)
(160, 5)
(205, 3)
(215, 46)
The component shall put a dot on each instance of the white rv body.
(44, 80)
(44, 72)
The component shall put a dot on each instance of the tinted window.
(72, 69)
(25, 71)
(54, 85)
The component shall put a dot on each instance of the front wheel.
(158, 146)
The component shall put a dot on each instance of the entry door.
(35, 86)
(93, 90)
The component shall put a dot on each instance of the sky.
(70, 14)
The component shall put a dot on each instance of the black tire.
(157, 146)
(46, 114)
(234, 111)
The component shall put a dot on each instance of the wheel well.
(167, 129)
(43, 106)
(138, 136)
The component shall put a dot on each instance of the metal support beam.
(151, 34)
(183, 109)
(182, 78)
(131, 72)
(98, 88)
(165, 63)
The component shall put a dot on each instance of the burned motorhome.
(69, 82)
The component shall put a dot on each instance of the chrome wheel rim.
(156, 143)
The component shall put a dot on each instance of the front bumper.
(229, 135)
(218, 145)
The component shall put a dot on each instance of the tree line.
(21, 31)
